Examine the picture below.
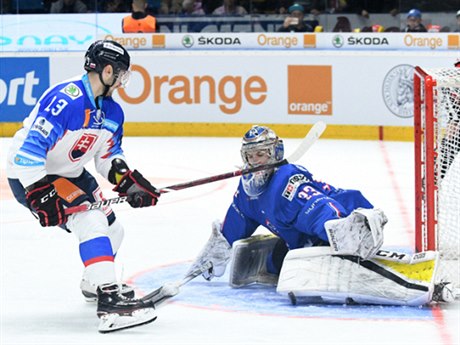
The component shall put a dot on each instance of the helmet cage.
(260, 138)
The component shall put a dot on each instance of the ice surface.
(41, 270)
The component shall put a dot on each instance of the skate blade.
(90, 299)
(115, 322)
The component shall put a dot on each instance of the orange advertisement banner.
(309, 90)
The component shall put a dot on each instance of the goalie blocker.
(315, 274)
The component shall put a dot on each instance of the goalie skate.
(118, 312)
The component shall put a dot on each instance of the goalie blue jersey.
(65, 130)
(294, 207)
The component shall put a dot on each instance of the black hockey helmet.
(106, 52)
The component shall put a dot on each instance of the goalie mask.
(260, 146)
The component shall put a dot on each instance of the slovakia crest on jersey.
(81, 146)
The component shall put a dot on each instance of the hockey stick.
(169, 290)
(307, 142)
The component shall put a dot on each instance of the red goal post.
(437, 166)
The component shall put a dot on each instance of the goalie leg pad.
(249, 264)
(361, 233)
(313, 272)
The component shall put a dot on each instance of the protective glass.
(123, 78)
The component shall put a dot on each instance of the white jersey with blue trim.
(64, 131)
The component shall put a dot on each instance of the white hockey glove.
(361, 233)
(217, 251)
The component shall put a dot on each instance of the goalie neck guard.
(260, 139)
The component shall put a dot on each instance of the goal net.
(437, 167)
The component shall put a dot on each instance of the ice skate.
(89, 291)
(119, 312)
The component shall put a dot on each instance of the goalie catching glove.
(44, 201)
(217, 251)
(139, 191)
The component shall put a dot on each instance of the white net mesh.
(447, 170)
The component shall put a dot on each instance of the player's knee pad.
(316, 273)
(256, 259)
(88, 225)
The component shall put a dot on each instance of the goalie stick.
(169, 290)
(312, 136)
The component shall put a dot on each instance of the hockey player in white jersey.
(73, 123)
(325, 242)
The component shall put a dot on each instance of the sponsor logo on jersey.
(293, 184)
(271, 226)
(398, 91)
(67, 190)
(81, 146)
(24, 161)
(110, 125)
(42, 126)
(304, 96)
(72, 90)
(22, 82)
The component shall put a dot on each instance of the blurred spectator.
(282, 6)
(294, 22)
(365, 7)
(392, 29)
(335, 6)
(192, 8)
(373, 28)
(5, 6)
(68, 6)
(230, 7)
(414, 22)
(170, 7)
(328, 7)
(458, 22)
(139, 20)
(266, 6)
(433, 28)
(116, 6)
(343, 25)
